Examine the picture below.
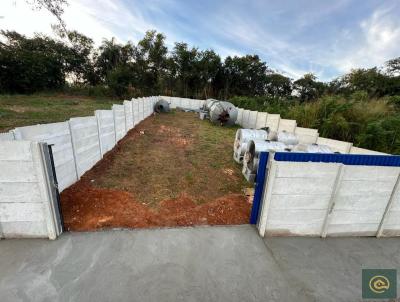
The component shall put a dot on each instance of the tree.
(369, 80)
(185, 62)
(119, 80)
(244, 76)
(151, 61)
(32, 64)
(112, 55)
(79, 58)
(393, 67)
(308, 88)
(278, 85)
(55, 7)
(209, 64)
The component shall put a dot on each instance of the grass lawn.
(24, 110)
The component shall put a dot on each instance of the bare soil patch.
(171, 170)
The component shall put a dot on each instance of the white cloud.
(379, 41)
(290, 38)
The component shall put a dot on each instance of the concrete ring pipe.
(251, 156)
(161, 106)
(242, 137)
(221, 112)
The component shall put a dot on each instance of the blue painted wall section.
(262, 168)
(347, 159)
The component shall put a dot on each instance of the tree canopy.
(30, 64)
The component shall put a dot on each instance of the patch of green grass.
(24, 110)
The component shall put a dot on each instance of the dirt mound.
(89, 208)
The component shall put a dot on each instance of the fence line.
(343, 195)
(79, 143)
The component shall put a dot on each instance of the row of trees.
(43, 63)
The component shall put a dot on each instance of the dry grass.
(24, 110)
(173, 155)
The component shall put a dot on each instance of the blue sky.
(327, 38)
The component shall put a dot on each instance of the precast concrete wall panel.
(261, 120)
(330, 199)
(287, 125)
(252, 120)
(193, 104)
(391, 222)
(24, 202)
(178, 101)
(141, 109)
(58, 135)
(146, 107)
(119, 121)
(273, 121)
(128, 115)
(171, 101)
(296, 198)
(306, 135)
(335, 145)
(7, 136)
(105, 121)
(239, 119)
(245, 121)
(361, 199)
(356, 150)
(86, 143)
(185, 103)
(136, 117)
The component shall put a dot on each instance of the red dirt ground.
(92, 203)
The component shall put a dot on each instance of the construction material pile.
(249, 143)
(219, 112)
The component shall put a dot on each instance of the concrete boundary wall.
(307, 135)
(255, 120)
(311, 198)
(105, 122)
(239, 120)
(252, 120)
(86, 142)
(245, 119)
(119, 121)
(287, 125)
(335, 145)
(141, 109)
(128, 115)
(26, 203)
(261, 120)
(28, 189)
(79, 143)
(273, 121)
(57, 135)
(356, 150)
(7, 136)
(135, 108)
